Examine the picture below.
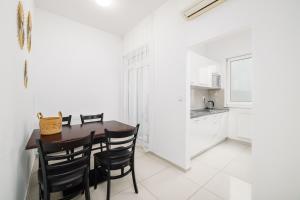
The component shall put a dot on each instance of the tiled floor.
(222, 173)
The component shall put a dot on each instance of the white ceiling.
(118, 18)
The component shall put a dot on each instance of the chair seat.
(103, 159)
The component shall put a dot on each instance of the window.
(239, 81)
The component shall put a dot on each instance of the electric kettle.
(210, 105)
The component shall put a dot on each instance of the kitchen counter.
(205, 112)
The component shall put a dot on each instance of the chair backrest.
(121, 145)
(67, 120)
(91, 118)
(59, 166)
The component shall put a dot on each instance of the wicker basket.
(50, 125)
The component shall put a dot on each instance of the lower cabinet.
(240, 124)
(207, 131)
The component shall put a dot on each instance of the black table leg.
(101, 177)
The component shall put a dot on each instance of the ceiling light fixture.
(104, 3)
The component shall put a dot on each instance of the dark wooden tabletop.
(75, 132)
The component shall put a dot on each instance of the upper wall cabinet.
(203, 71)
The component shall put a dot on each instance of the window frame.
(230, 103)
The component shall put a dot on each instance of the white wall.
(227, 46)
(164, 100)
(16, 104)
(172, 37)
(170, 82)
(77, 68)
(232, 15)
(276, 149)
(62, 76)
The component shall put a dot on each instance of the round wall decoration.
(20, 24)
(25, 74)
(29, 29)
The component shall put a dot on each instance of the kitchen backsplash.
(197, 98)
(197, 95)
(218, 96)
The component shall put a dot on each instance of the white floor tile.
(170, 184)
(200, 173)
(217, 159)
(117, 185)
(139, 152)
(148, 165)
(223, 172)
(34, 192)
(220, 156)
(247, 153)
(229, 187)
(204, 195)
(99, 193)
(240, 167)
(129, 194)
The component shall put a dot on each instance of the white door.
(138, 100)
(132, 97)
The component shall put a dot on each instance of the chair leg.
(87, 188)
(108, 185)
(134, 181)
(95, 175)
(46, 195)
(40, 193)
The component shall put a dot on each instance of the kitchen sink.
(203, 112)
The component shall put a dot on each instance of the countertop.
(205, 112)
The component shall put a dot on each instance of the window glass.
(240, 80)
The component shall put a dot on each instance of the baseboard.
(171, 163)
(32, 157)
(205, 150)
(243, 140)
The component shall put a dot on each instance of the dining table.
(79, 131)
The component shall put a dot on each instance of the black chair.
(119, 155)
(67, 120)
(59, 172)
(91, 119)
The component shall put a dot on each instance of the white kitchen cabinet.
(207, 131)
(240, 124)
(201, 70)
(202, 76)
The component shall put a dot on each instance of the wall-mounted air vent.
(201, 7)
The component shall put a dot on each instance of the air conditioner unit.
(200, 8)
